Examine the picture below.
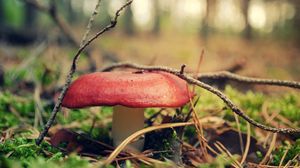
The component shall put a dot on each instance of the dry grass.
(135, 135)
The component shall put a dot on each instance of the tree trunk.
(128, 26)
(297, 21)
(247, 33)
(210, 15)
(1, 13)
(30, 17)
(156, 25)
(72, 16)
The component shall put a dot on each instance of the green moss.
(44, 75)
(189, 133)
(72, 161)
(160, 141)
(292, 151)
(13, 13)
(11, 106)
(13, 76)
(288, 106)
(74, 115)
(21, 152)
(250, 102)
(150, 111)
(106, 111)
(21, 148)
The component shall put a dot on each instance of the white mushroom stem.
(125, 122)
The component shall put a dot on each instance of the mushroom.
(130, 93)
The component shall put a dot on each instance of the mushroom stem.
(125, 122)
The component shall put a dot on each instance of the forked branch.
(57, 106)
(217, 92)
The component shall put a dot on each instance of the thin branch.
(51, 10)
(90, 24)
(57, 106)
(211, 89)
(251, 80)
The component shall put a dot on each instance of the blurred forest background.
(39, 38)
(263, 36)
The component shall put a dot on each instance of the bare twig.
(182, 68)
(52, 11)
(217, 92)
(57, 106)
(251, 80)
(90, 24)
(62, 24)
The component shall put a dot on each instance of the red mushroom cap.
(131, 89)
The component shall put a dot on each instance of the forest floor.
(31, 78)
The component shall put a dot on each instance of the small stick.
(90, 24)
(182, 68)
(250, 80)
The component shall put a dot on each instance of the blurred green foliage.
(13, 76)
(288, 106)
(11, 106)
(13, 12)
(291, 150)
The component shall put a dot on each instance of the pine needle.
(247, 144)
(272, 145)
(135, 135)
